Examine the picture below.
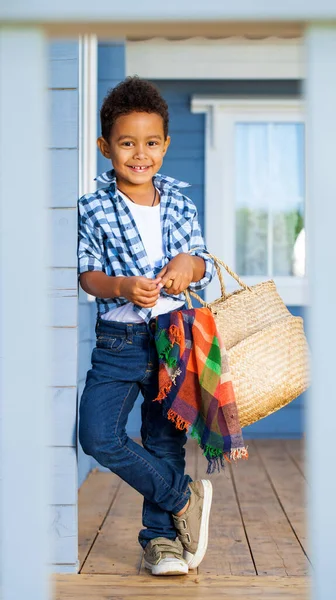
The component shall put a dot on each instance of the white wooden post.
(321, 419)
(23, 310)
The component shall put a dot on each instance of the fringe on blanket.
(168, 343)
(216, 458)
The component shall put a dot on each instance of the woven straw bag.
(266, 346)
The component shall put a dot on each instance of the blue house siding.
(63, 149)
(111, 70)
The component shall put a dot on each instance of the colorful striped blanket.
(195, 385)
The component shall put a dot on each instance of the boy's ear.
(166, 144)
(103, 147)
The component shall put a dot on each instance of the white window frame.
(221, 116)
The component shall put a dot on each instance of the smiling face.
(136, 148)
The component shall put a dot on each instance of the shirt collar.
(160, 181)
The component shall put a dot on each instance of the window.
(255, 191)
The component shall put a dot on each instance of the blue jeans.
(124, 363)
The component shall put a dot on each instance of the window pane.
(269, 179)
(287, 151)
(251, 198)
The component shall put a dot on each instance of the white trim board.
(86, 11)
(88, 69)
(221, 115)
(88, 78)
(231, 58)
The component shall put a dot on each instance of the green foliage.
(253, 225)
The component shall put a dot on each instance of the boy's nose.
(139, 152)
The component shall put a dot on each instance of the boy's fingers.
(148, 294)
(149, 284)
(163, 271)
(169, 275)
(175, 288)
(146, 303)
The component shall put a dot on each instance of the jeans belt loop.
(129, 333)
(96, 327)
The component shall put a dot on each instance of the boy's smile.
(136, 148)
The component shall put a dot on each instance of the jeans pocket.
(114, 344)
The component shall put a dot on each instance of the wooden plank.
(95, 498)
(297, 451)
(274, 546)
(289, 485)
(116, 549)
(228, 551)
(105, 587)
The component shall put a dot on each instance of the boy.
(136, 240)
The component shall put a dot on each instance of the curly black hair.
(132, 94)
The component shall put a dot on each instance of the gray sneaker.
(165, 557)
(193, 526)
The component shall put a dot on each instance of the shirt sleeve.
(90, 246)
(198, 248)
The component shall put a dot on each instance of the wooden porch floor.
(257, 548)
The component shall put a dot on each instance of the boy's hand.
(140, 290)
(177, 275)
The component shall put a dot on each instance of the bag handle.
(218, 263)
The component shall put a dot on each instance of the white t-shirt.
(148, 222)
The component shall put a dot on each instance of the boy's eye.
(130, 143)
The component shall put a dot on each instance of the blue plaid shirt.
(110, 242)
